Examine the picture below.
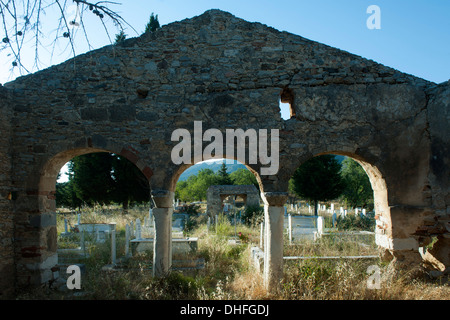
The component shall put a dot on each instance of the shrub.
(253, 215)
(356, 223)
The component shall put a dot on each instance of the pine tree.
(153, 23)
(121, 36)
(318, 179)
(130, 185)
(223, 178)
(91, 177)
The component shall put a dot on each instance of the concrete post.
(290, 228)
(273, 244)
(162, 244)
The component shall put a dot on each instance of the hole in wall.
(286, 104)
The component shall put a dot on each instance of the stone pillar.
(273, 244)
(162, 244)
(396, 235)
(7, 197)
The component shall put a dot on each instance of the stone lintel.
(163, 198)
(274, 199)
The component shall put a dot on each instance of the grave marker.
(138, 228)
(127, 240)
(113, 246)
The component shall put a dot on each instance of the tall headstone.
(138, 229)
(113, 246)
(320, 225)
(334, 218)
(127, 240)
(132, 229)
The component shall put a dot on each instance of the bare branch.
(22, 20)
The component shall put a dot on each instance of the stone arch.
(37, 254)
(394, 235)
(178, 171)
(377, 180)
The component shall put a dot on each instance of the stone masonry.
(215, 195)
(228, 73)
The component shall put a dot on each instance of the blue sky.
(414, 37)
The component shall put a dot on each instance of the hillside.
(213, 165)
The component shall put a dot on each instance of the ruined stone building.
(128, 98)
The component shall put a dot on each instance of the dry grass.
(229, 275)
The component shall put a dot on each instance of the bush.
(253, 215)
(356, 223)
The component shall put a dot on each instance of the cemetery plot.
(85, 240)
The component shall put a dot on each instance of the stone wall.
(438, 224)
(7, 196)
(216, 194)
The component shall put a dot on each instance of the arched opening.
(194, 185)
(92, 197)
(333, 216)
(221, 214)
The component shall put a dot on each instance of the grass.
(228, 273)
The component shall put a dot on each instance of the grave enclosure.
(228, 73)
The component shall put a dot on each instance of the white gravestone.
(138, 229)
